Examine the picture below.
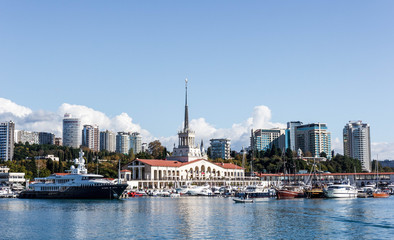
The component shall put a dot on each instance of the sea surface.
(197, 218)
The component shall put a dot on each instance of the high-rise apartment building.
(23, 136)
(71, 131)
(290, 134)
(91, 137)
(357, 143)
(123, 142)
(108, 141)
(313, 138)
(7, 131)
(220, 148)
(46, 138)
(135, 142)
(264, 139)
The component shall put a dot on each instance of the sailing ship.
(378, 192)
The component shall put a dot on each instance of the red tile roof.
(125, 170)
(228, 165)
(161, 163)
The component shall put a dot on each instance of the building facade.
(7, 135)
(123, 142)
(220, 148)
(357, 143)
(291, 134)
(108, 141)
(187, 149)
(265, 139)
(71, 131)
(46, 138)
(135, 142)
(23, 136)
(152, 173)
(91, 137)
(313, 138)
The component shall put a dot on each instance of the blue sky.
(314, 61)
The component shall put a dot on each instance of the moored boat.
(290, 191)
(77, 184)
(344, 190)
(256, 192)
(316, 192)
(380, 194)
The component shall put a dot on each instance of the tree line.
(106, 163)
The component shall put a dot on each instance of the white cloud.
(43, 121)
(385, 150)
(239, 133)
(9, 107)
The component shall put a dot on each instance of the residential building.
(135, 142)
(357, 143)
(58, 141)
(46, 138)
(290, 134)
(7, 131)
(12, 179)
(220, 148)
(27, 136)
(144, 147)
(265, 139)
(71, 131)
(108, 141)
(187, 149)
(123, 142)
(313, 138)
(91, 137)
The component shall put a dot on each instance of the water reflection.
(198, 218)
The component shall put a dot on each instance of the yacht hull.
(288, 194)
(337, 194)
(113, 191)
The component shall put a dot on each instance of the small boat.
(365, 192)
(135, 194)
(6, 192)
(380, 194)
(257, 192)
(243, 200)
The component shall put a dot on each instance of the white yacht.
(201, 191)
(6, 192)
(77, 184)
(344, 190)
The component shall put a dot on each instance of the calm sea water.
(196, 218)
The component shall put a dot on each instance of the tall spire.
(186, 127)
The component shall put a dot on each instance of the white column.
(140, 173)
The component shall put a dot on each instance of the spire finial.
(186, 127)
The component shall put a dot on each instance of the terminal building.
(188, 164)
